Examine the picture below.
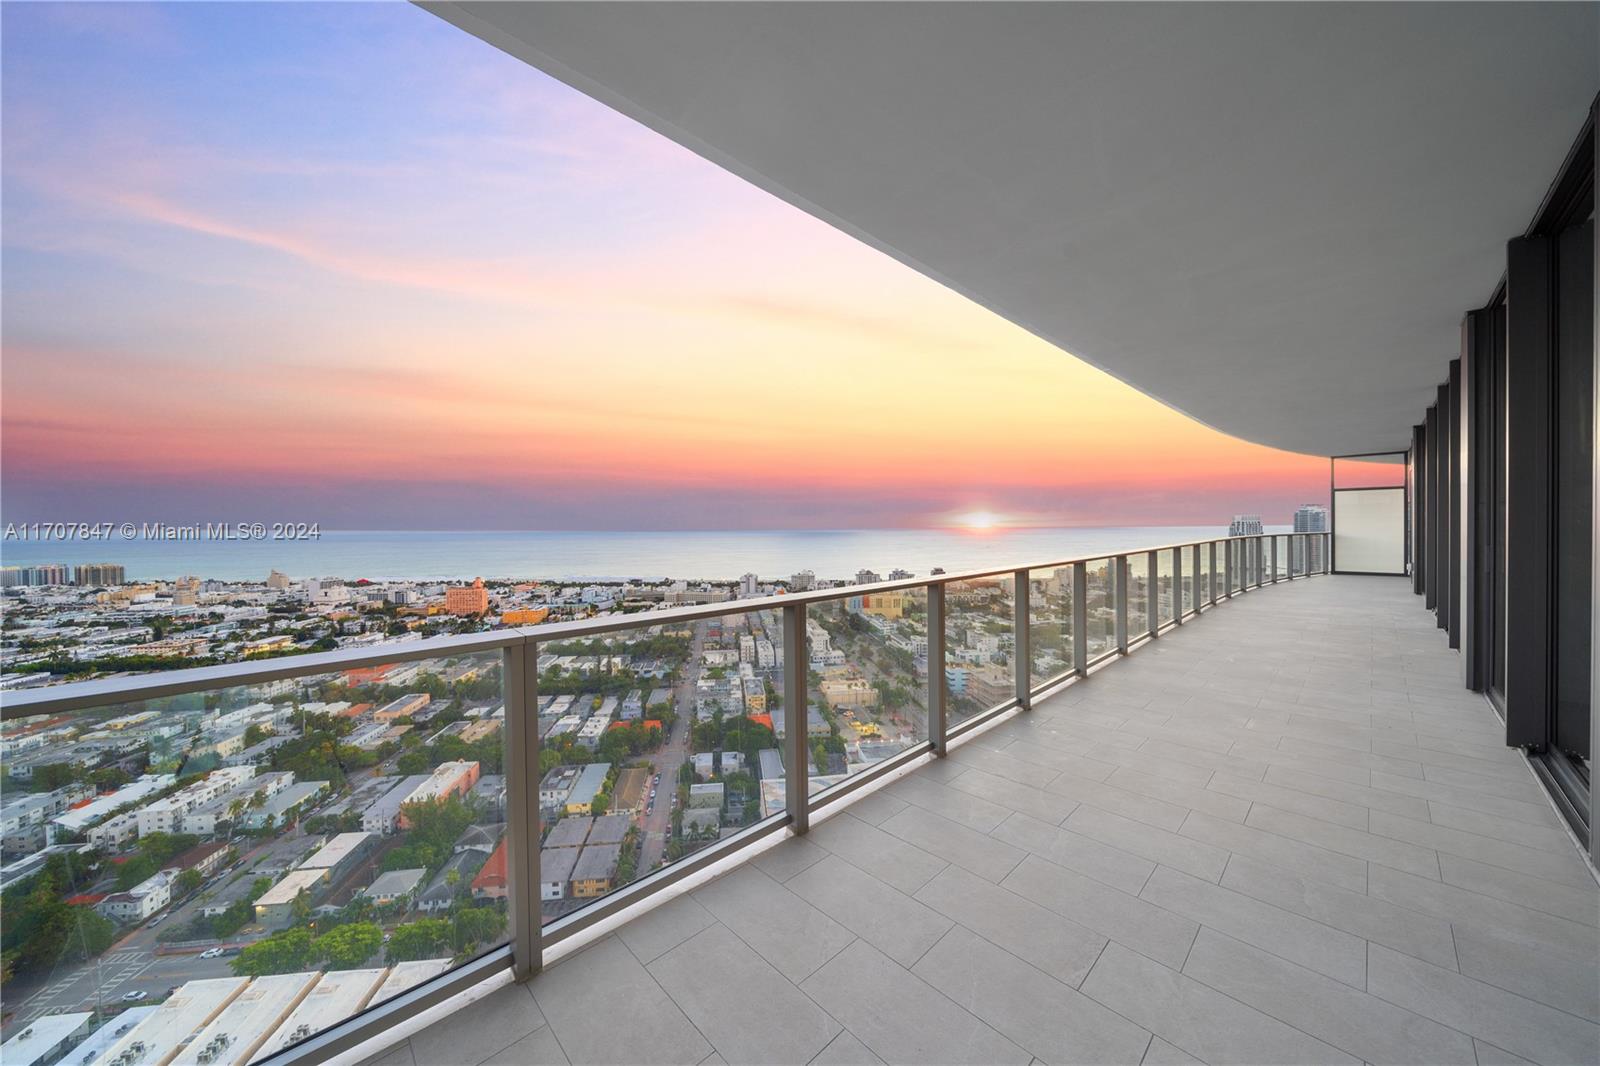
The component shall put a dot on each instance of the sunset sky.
(347, 264)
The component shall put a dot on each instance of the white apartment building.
(139, 902)
(166, 815)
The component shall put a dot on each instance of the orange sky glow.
(472, 298)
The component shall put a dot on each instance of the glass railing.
(276, 856)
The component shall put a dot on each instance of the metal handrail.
(83, 695)
(529, 937)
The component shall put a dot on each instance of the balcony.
(1277, 832)
(1282, 834)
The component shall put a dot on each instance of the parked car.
(134, 996)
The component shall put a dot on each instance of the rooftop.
(1280, 833)
(243, 1026)
(41, 1037)
(336, 850)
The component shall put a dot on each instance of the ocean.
(459, 555)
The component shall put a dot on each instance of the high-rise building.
(749, 586)
(803, 581)
(277, 580)
(40, 574)
(91, 574)
(1307, 556)
(467, 599)
(1245, 525)
(185, 591)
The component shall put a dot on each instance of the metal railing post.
(1177, 586)
(519, 678)
(1211, 576)
(1022, 647)
(1291, 543)
(1327, 553)
(1152, 595)
(1194, 578)
(1120, 568)
(1274, 560)
(936, 681)
(1080, 618)
(796, 716)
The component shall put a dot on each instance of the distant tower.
(749, 586)
(1245, 525)
(1312, 518)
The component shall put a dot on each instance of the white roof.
(331, 1000)
(246, 1023)
(406, 975)
(191, 1007)
(39, 1037)
(287, 889)
(82, 817)
(335, 851)
(103, 1037)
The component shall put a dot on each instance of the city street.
(670, 759)
(132, 964)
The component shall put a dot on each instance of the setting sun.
(978, 520)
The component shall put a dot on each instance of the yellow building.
(856, 693)
(526, 616)
(882, 604)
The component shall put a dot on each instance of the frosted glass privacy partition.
(1369, 531)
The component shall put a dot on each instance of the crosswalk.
(108, 973)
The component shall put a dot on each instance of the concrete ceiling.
(1269, 216)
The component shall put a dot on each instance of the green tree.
(476, 926)
(189, 880)
(346, 947)
(426, 938)
(284, 952)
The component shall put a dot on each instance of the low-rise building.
(383, 816)
(706, 794)
(491, 880)
(569, 832)
(394, 886)
(285, 807)
(139, 902)
(448, 779)
(275, 906)
(555, 872)
(610, 829)
(159, 1035)
(206, 858)
(402, 707)
(628, 795)
(79, 819)
(453, 879)
(591, 780)
(45, 1039)
(235, 1035)
(341, 854)
(336, 996)
(595, 872)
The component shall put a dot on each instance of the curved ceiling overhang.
(1269, 216)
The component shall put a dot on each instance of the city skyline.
(344, 264)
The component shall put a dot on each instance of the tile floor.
(1280, 834)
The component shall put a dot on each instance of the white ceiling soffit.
(1270, 216)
